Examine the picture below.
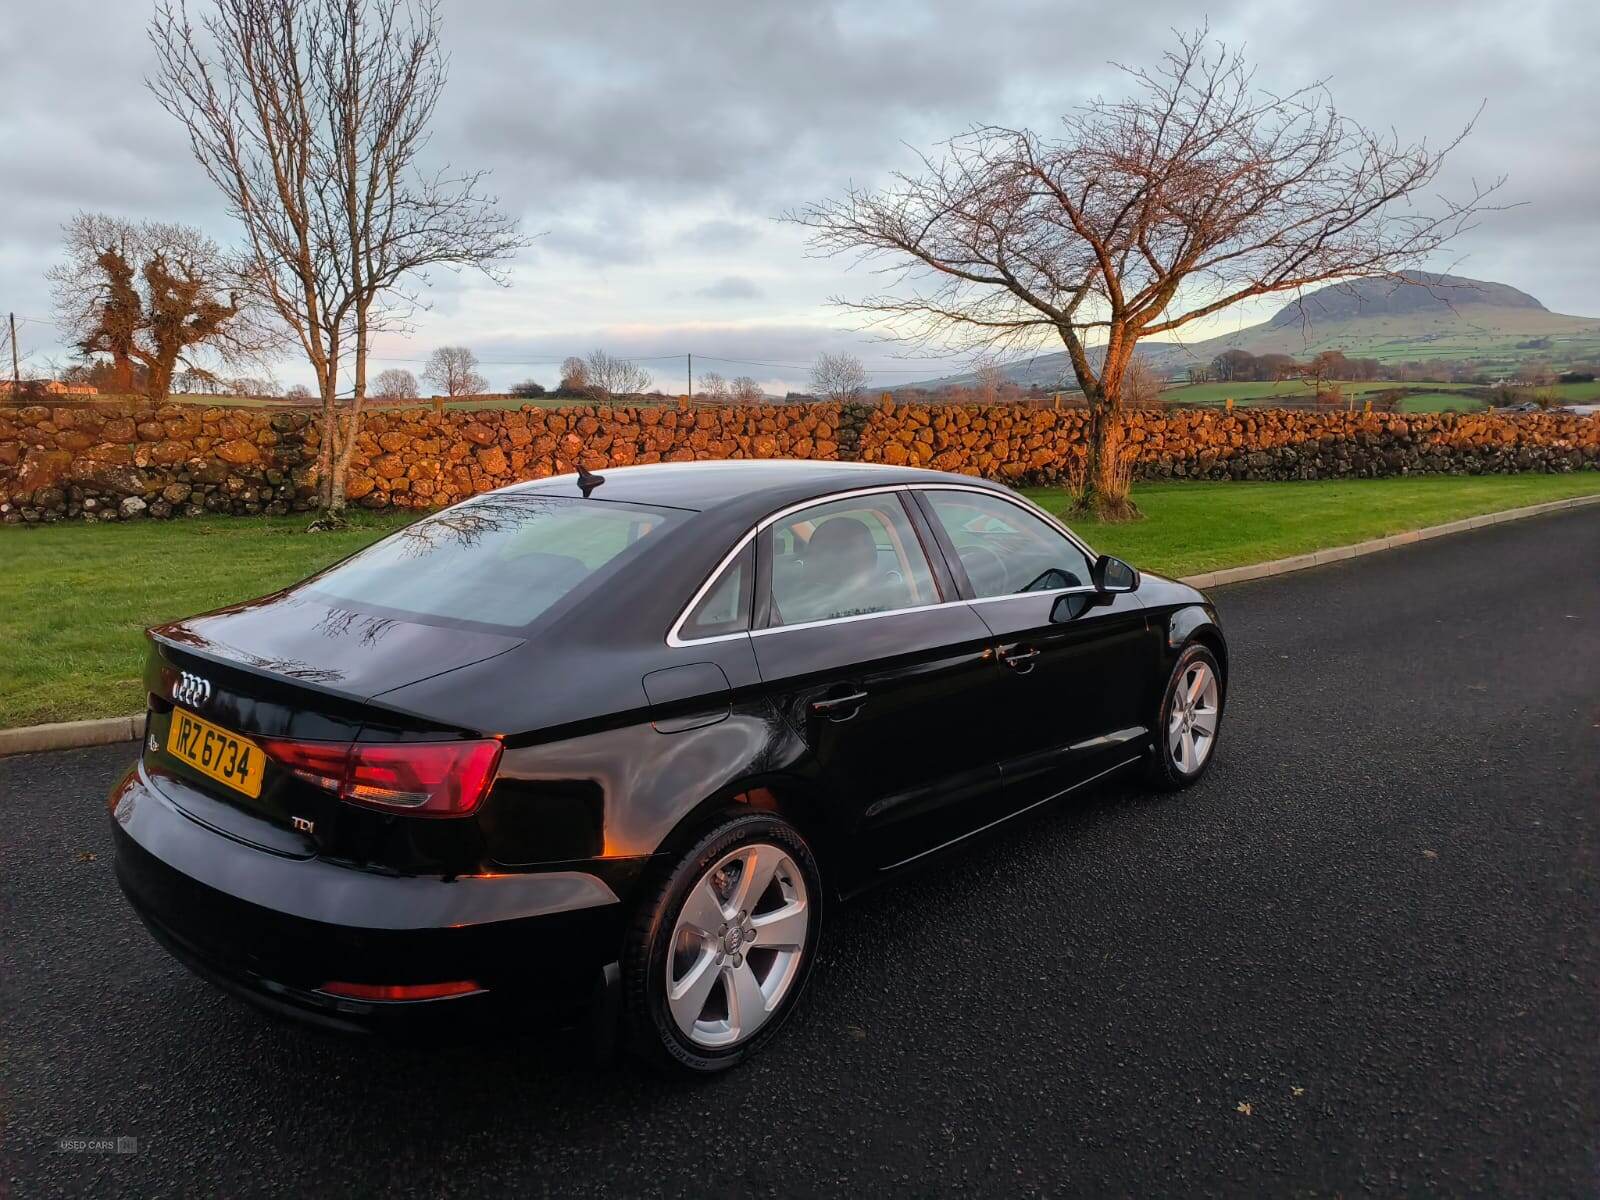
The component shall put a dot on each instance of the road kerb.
(1299, 562)
(72, 735)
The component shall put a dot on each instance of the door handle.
(1018, 659)
(839, 708)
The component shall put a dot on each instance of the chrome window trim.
(888, 612)
(674, 640)
(1066, 591)
(677, 641)
(674, 635)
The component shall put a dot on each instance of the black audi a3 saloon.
(616, 743)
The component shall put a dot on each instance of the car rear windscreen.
(497, 560)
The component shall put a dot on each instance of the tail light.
(428, 779)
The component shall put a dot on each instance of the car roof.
(739, 487)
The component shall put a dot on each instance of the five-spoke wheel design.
(737, 945)
(1192, 719)
(1184, 742)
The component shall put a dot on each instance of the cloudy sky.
(653, 145)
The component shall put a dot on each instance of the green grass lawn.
(74, 598)
(1193, 527)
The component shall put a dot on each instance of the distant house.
(47, 387)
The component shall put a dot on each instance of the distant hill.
(1439, 295)
(1428, 317)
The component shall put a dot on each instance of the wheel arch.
(796, 800)
(1198, 623)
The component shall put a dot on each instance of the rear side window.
(497, 560)
(725, 608)
(847, 558)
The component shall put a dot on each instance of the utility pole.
(16, 375)
(691, 376)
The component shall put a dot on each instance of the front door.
(1075, 661)
(880, 676)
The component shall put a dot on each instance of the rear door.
(1074, 662)
(878, 673)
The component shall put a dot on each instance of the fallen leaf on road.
(1244, 1107)
(1430, 854)
(86, 856)
(1297, 1091)
(856, 1032)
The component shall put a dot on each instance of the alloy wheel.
(1192, 723)
(737, 945)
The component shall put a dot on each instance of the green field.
(556, 402)
(1438, 395)
(75, 598)
(1427, 402)
(1427, 397)
(471, 404)
(1284, 389)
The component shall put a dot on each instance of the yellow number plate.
(226, 757)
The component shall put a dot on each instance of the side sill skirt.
(1002, 820)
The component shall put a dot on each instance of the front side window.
(1004, 548)
(847, 558)
(498, 560)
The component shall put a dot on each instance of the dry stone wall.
(123, 461)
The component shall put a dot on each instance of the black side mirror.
(1113, 575)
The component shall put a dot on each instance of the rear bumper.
(275, 929)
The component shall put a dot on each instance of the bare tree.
(713, 386)
(1141, 386)
(395, 383)
(192, 381)
(249, 385)
(745, 390)
(574, 375)
(298, 391)
(453, 371)
(310, 116)
(988, 381)
(1138, 217)
(606, 375)
(838, 377)
(154, 298)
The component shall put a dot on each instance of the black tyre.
(720, 950)
(1189, 721)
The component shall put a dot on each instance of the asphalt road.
(1362, 957)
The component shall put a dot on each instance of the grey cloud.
(597, 242)
(731, 287)
(655, 143)
(719, 234)
(765, 102)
